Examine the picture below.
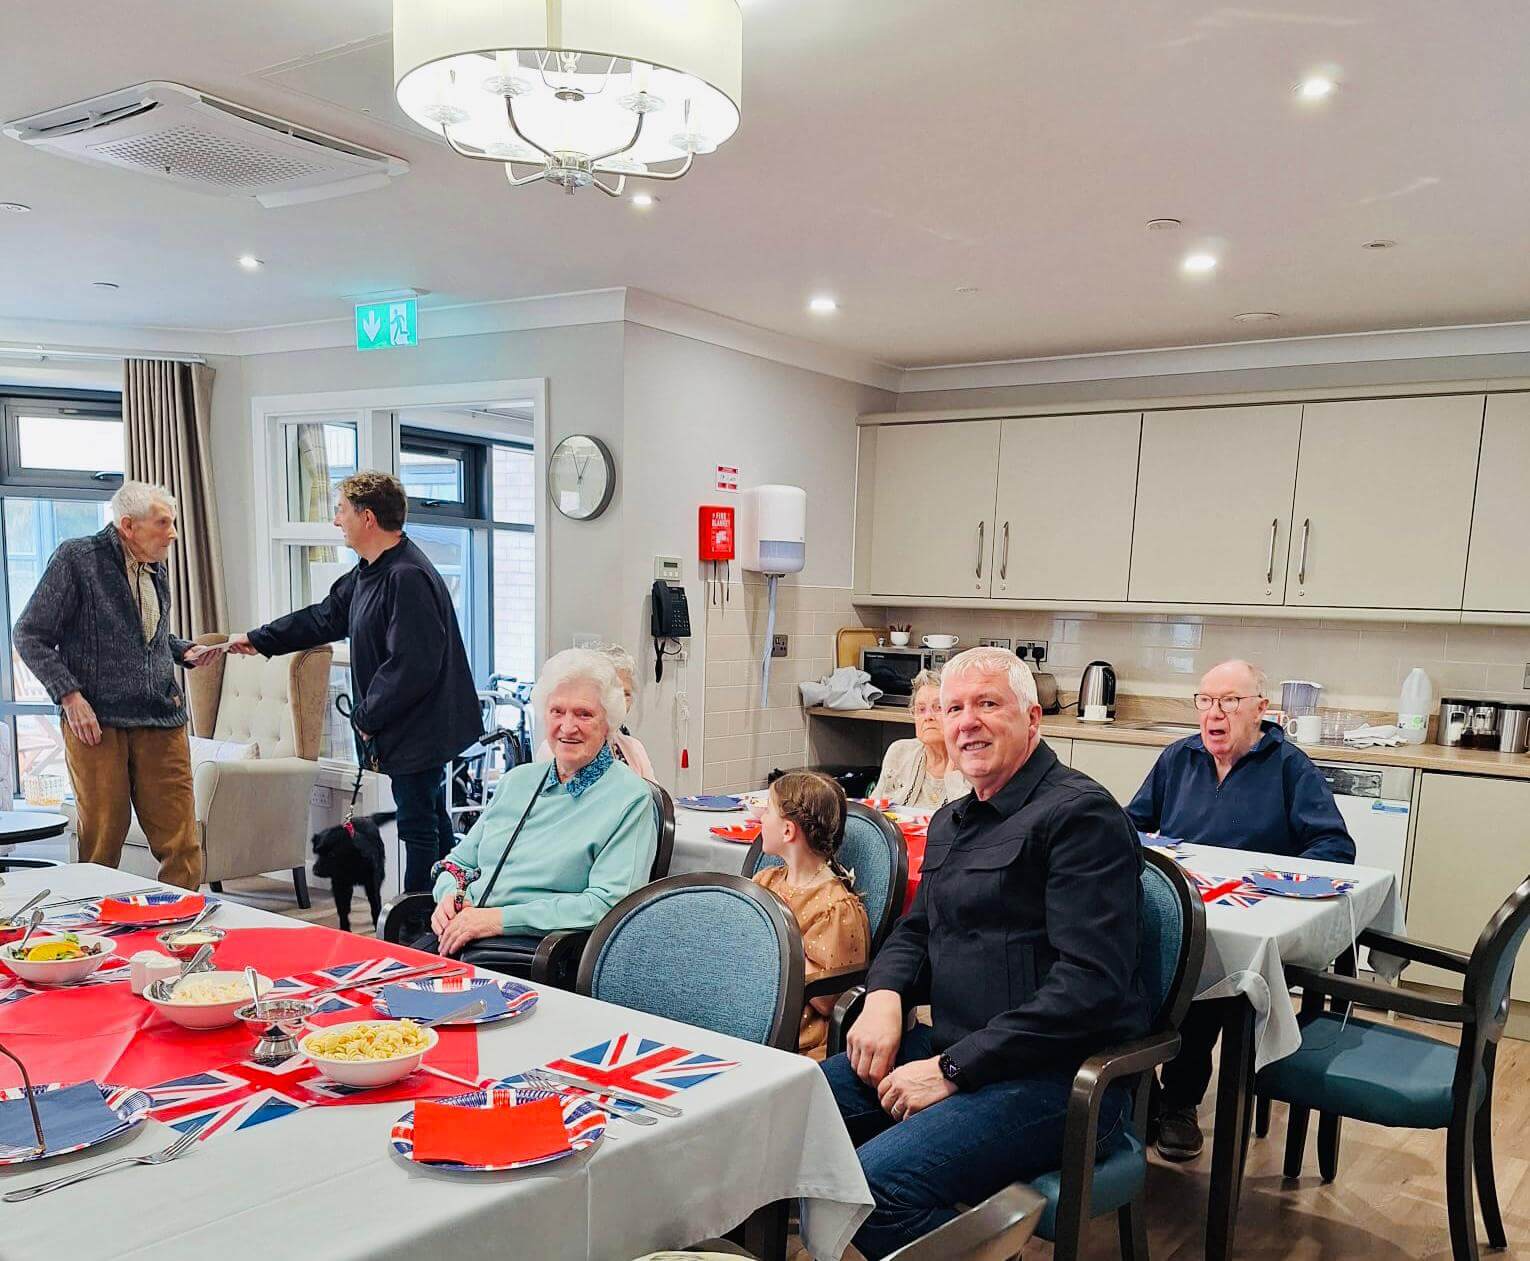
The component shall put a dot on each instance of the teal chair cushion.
(1163, 933)
(1371, 1072)
(1118, 1178)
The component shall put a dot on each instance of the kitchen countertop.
(1423, 757)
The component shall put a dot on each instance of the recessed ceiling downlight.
(108, 285)
(1256, 317)
(250, 263)
(1316, 87)
(823, 305)
(14, 208)
(1380, 243)
(1163, 225)
(1199, 264)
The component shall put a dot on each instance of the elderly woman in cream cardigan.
(920, 772)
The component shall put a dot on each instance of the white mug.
(899, 638)
(1095, 713)
(1305, 728)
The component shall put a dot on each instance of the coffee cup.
(899, 638)
(1305, 728)
(939, 641)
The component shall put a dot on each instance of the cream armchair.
(252, 816)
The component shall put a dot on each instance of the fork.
(173, 1152)
(535, 1078)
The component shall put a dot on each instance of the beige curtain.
(166, 412)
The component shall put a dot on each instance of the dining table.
(327, 1181)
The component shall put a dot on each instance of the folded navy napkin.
(420, 1004)
(71, 1116)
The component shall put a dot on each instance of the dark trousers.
(1187, 1075)
(959, 1151)
(423, 824)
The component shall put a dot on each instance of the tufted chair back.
(277, 703)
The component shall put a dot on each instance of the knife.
(627, 1096)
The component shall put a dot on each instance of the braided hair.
(817, 805)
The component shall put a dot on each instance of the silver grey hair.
(581, 665)
(993, 661)
(922, 680)
(137, 499)
(1258, 677)
(622, 660)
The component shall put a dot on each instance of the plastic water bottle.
(1414, 704)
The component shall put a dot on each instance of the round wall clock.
(581, 477)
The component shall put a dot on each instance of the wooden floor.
(1387, 1204)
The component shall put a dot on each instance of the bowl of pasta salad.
(368, 1052)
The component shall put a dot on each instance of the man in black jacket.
(1023, 938)
(415, 701)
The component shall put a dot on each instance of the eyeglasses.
(1227, 704)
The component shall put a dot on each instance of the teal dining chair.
(1347, 1066)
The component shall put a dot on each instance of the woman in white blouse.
(920, 772)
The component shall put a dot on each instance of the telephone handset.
(670, 619)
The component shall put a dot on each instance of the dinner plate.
(519, 997)
(130, 1105)
(586, 1124)
(193, 905)
(710, 803)
(740, 833)
(1297, 884)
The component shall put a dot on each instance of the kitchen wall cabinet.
(1214, 505)
(1067, 487)
(1471, 849)
(1498, 560)
(1383, 507)
(932, 510)
(1120, 768)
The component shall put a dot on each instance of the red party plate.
(743, 833)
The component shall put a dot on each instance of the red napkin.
(489, 1136)
(115, 912)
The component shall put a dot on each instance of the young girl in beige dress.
(803, 822)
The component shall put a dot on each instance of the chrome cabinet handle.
(1004, 559)
(981, 526)
(1269, 568)
(1301, 569)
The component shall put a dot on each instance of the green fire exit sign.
(380, 325)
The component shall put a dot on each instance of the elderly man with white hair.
(1237, 783)
(96, 633)
(560, 844)
(1023, 938)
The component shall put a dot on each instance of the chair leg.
(300, 887)
(1131, 1223)
(1328, 1145)
(1482, 1157)
(215, 885)
(1296, 1139)
(1261, 1115)
(1458, 1189)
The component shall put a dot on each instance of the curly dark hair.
(382, 493)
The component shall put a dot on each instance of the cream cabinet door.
(1063, 749)
(1471, 849)
(1498, 562)
(1214, 505)
(1067, 487)
(1119, 768)
(1383, 505)
(932, 509)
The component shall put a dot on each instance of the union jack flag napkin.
(1225, 890)
(366, 972)
(13, 989)
(640, 1066)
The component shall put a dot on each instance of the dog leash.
(367, 760)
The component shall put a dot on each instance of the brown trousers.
(146, 770)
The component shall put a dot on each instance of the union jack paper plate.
(178, 908)
(710, 803)
(130, 1105)
(1297, 884)
(520, 998)
(585, 1123)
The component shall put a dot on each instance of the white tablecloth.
(325, 1182)
(1247, 947)
(696, 849)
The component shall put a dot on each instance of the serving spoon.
(15, 916)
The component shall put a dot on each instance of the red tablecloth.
(914, 842)
(109, 1034)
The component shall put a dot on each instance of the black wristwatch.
(951, 1071)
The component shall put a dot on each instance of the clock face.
(581, 478)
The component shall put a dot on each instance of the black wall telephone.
(670, 619)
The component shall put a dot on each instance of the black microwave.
(894, 670)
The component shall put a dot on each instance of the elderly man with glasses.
(1238, 784)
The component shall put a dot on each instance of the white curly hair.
(581, 665)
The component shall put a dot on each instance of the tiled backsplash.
(745, 741)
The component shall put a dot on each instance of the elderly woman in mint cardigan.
(580, 830)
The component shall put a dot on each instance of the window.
(442, 477)
(62, 459)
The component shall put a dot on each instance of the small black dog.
(350, 855)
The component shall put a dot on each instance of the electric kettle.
(1097, 692)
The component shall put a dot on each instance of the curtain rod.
(41, 354)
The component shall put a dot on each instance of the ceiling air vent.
(186, 137)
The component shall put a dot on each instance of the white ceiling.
(891, 151)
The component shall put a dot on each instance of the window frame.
(59, 403)
(471, 454)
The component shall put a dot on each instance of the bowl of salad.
(57, 959)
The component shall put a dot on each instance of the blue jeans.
(959, 1151)
(423, 824)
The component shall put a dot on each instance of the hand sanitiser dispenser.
(772, 540)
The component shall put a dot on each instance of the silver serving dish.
(277, 1021)
(184, 950)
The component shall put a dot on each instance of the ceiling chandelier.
(575, 92)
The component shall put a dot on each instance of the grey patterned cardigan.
(81, 632)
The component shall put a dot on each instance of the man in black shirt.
(1023, 938)
(415, 700)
